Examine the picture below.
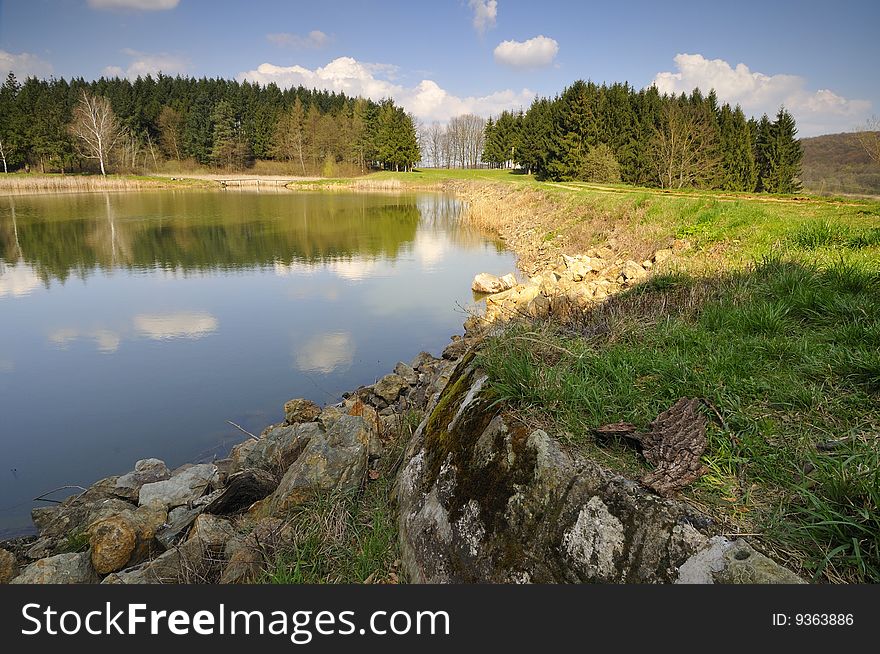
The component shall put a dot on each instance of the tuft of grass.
(827, 234)
(347, 538)
(77, 541)
(785, 353)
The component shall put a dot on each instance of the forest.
(617, 134)
(45, 125)
(589, 132)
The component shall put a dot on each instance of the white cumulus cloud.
(311, 41)
(816, 111)
(485, 14)
(533, 53)
(139, 5)
(23, 65)
(145, 63)
(427, 100)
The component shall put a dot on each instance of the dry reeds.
(19, 184)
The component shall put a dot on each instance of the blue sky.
(445, 57)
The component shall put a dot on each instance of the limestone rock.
(8, 566)
(185, 487)
(179, 522)
(276, 450)
(332, 461)
(300, 410)
(59, 569)
(146, 471)
(632, 271)
(211, 532)
(75, 512)
(486, 283)
(484, 499)
(662, 255)
(733, 562)
(407, 373)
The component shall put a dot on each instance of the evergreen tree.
(763, 143)
(784, 154)
(738, 172)
(493, 148)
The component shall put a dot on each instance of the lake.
(135, 325)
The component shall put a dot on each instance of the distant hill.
(837, 163)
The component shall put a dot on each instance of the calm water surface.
(134, 325)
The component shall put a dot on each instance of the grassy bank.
(771, 314)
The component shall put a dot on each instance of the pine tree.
(763, 141)
(784, 156)
(493, 147)
(737, 157)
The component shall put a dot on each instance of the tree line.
(60, 125)
(613, 133)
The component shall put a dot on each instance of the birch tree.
(95, 127)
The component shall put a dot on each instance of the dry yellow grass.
(15, 184)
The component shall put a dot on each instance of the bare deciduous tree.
(869, 138)
(684, 146)
(170, 127)
(96, 127)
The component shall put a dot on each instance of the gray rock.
(409, 375)
(733, 562)
(420, 360)
(183, 564)
(146, 471)
(59, 569)
(274, 452)
(179, 522)
(75, 512)
(333, 461)
(211, 532)
(185, 487)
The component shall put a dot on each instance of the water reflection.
(146, 320)
(325, 353)
(106, 341)
(175, 325)
(17, 280)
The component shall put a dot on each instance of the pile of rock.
(571, 287)
(215, 521)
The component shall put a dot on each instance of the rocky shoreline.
(219, 521)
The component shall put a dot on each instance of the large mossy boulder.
(484, 498)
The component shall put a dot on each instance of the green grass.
(347, 538)
(786, 353)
